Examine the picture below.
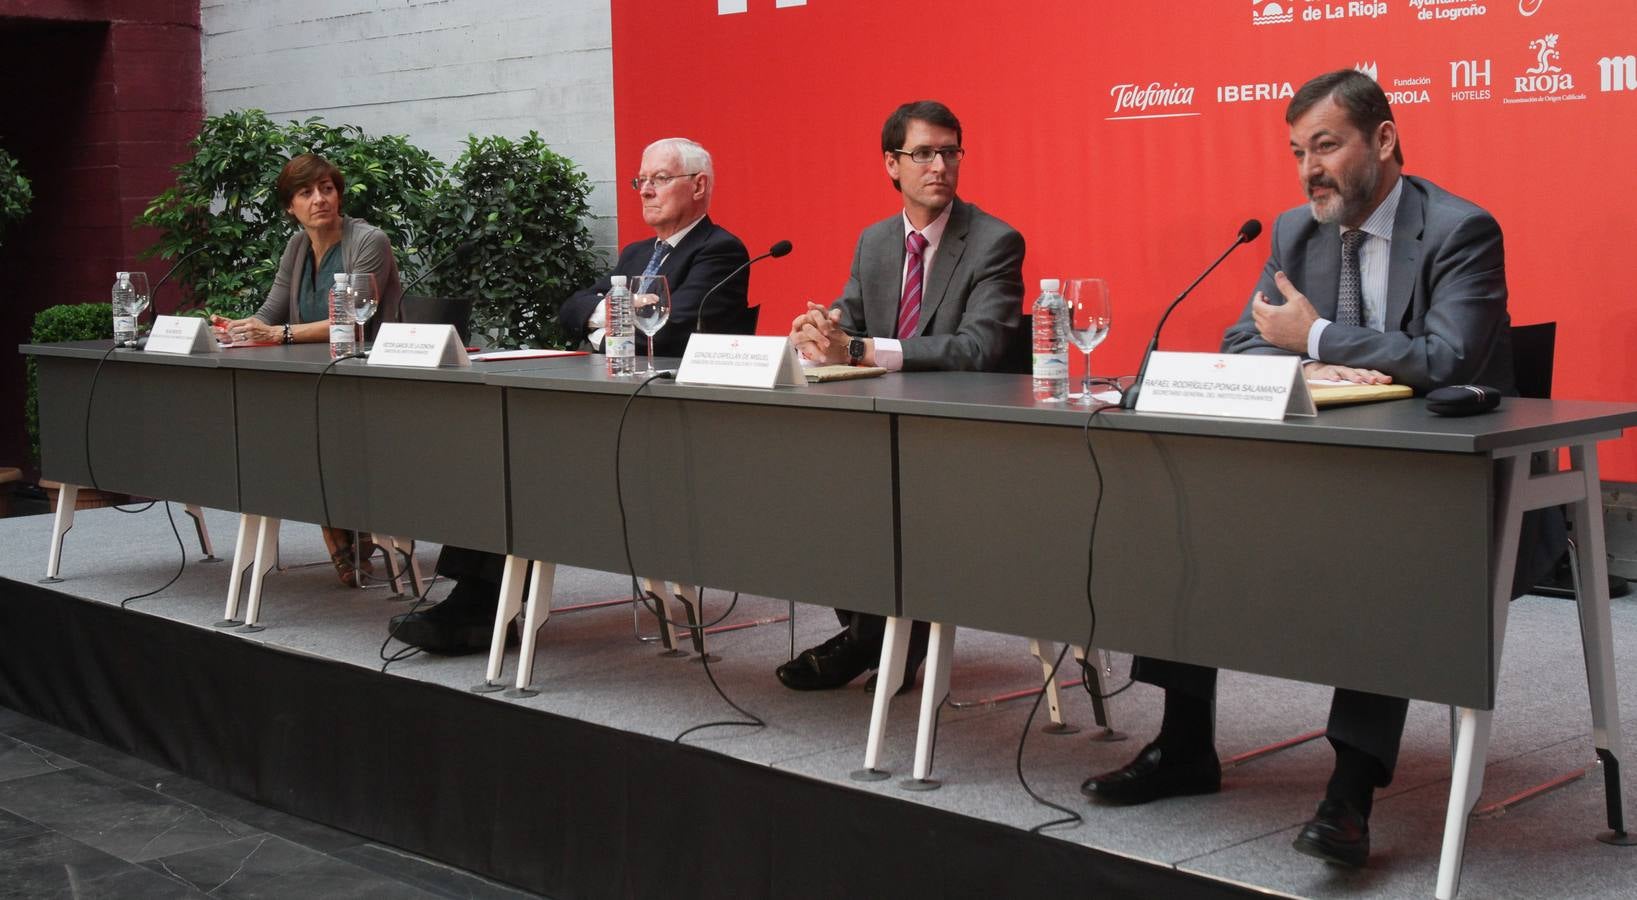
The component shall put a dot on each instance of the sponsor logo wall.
(1129, 141)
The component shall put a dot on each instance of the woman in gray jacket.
(297, 309)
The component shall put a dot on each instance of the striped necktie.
(909, 308)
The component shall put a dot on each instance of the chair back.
(1533, 348)
(456, 311)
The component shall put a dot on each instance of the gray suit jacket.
(1446, 319)
(972, 300)
(364, 248)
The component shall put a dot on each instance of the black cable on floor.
(91, 473)
(752, 720)
(1070, 817)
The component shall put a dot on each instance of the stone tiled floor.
(78, 819)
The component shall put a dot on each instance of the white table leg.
(61, 522)
(267, 549)
(511, 600)
(1597, 637)
(538, 611)
(889, 677)
(1471, 746)
(198, 516)
(940, 653)
(242, 559)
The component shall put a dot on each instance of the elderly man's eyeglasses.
(924, 155)
(658, 181)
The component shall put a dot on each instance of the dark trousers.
(1370, 723)
(477, 572)
(869, 630)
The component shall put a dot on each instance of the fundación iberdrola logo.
(1408, 91)
(1271, 12)
(1151, 101)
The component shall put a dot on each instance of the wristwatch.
(855, 352)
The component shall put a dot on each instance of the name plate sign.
(419, 345)
(738, 360)
(180, 334)
(1236, 385)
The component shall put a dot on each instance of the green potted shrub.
(16, 195)
(524, 208)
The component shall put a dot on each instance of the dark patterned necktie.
(1350, 295)
(660, 249)
(909, 309)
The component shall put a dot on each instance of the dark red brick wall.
(99, 101)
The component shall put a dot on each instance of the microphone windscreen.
(1249, 230)
(782, 248)
(1463, 400)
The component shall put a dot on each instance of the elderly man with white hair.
(693, 253)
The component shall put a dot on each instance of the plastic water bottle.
(124, 310)
(621, 344)
(1051, 349)
(343, 337)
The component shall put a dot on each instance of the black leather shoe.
(462, 624)
(831, 664)
(1336, 834)
(1155, 774)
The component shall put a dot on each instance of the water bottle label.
(1051, 365)
(620, 345)
(341, 333)
(124, 323)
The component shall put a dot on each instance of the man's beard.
(1349, 199)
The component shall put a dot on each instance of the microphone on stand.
(460, 252)
(154, 291)
(782, 248)
(1247, 233)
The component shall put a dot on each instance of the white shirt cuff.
(889, 354)
(598, 324)
(1313, 333)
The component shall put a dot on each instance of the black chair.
(456, 311)
(1533, 349)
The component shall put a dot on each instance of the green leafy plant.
(68, 322)
(16, 195)
(225, 201)
(524, 208)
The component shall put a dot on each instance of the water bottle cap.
(617, 281)
(122, 276)
(1051, 284)
(341, 278)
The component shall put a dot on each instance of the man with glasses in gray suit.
(936, 286)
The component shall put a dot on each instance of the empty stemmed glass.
(361, 293)
(1085, 323)
(651, 301)
(140, 295)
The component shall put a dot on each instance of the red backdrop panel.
(1130, 140)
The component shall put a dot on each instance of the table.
(884, 496)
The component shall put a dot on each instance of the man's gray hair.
(691, 156)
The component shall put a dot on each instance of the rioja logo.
(1263, 13)
(1545, 52)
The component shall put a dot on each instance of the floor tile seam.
(428, 861)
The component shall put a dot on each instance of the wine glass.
(140, 296)
(651, 301)
(362, 294)
(1085, 323)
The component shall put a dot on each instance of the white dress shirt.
(889, 352)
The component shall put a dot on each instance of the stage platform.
(580, 791)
